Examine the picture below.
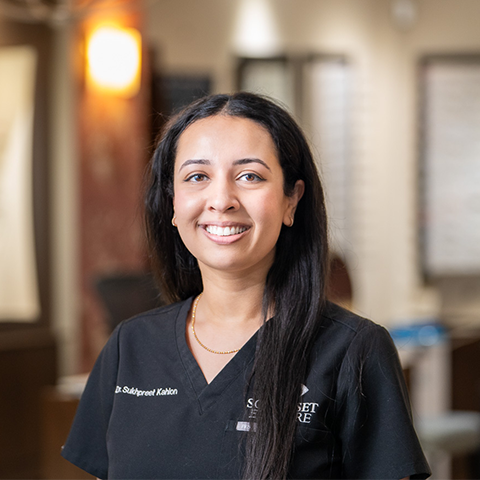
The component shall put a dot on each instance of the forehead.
(223, 136)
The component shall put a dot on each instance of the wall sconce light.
(114, 60)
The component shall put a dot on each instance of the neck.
(232, 299)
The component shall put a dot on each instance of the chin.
(225, 266)
(237, 264)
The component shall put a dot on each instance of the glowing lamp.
(113, 60)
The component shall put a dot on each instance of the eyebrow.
(241, 161)
(245, 161)
(195, 161)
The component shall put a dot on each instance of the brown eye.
(196, 177)
(251, 177)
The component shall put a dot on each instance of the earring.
(173, 221)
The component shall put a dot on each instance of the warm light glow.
(256, 33)
(113, 60)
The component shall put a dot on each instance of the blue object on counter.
(423, 334)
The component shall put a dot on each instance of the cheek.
(185, 205)
(271, 208)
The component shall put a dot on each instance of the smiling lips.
(225, 231)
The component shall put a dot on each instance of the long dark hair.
(295, 284)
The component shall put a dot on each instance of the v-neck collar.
(208, 393)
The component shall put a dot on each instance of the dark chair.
(126, 295)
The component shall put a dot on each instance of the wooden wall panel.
(25, 369)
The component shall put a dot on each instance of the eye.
(196, 178)
(251, 177)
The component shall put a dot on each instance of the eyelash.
(202, 176)
(257, 178)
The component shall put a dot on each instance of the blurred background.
(388, 93)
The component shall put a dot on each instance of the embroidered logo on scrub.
(305, 411)
(155, 392)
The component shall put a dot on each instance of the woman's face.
(228, 194)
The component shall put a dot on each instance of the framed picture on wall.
(273, 76)
(19, 297)
(450, 165)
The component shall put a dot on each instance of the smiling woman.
(270, 379)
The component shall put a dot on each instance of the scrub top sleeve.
(377, 434)
(86, 444)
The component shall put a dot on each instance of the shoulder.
(353, 344)
(349, 328)
(152, 329)
(162, 317)
(345, 319)
(365, 349)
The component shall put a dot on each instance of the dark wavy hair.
(295, 284)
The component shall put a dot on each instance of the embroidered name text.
(155, 392)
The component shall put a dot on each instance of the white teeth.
(224, 232)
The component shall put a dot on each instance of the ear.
(293, 200)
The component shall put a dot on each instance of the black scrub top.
(148, 412)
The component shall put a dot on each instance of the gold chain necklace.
(194, 311)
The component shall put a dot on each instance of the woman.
(250, 372)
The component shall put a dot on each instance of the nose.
(222, 197)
